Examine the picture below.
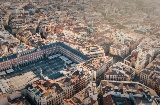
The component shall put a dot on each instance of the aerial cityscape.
(79, 52)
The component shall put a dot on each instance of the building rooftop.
(5, 58)
(121, 70)
(44, 88)
(130, 92)
(96, 63)
(153, 70)
(119, 46)
(91, 49)
(87, 95)
(15, 98)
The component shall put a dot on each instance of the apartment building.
(120, 72)
(126, 92)
(96, 66)
(93, 51)
(14, 98)
(38, 53)
(87, 96)
(8, 42)
(46, 92)
(144, 54)
(139, 59)
(53, 92)
(150, 75)
(119, 50)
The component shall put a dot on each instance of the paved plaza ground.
(48, 67)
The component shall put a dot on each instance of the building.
(119, 50)
(147, 49)
(1, 26)
(150, 76)
(23, 58)
(88, 96)
(46, 26)
(139, 59)
(53, 92)
(47, 92)
(93, 51)
(97, 66)
(7, 43)
(4, 18)
(126, 93)
(120, 72)
(30, 39)
(15, 98)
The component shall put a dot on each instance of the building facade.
(150, 76)
(53, 92)
(120, 72)
(39, 53)
(119, 50)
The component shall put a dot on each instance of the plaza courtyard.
(46, 67)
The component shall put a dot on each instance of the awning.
(2, 73)
(10, 71)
